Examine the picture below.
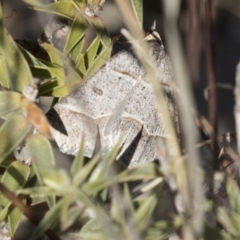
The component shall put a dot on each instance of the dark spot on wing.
(98, 91)
(125, 73)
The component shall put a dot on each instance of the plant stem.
(211, 80)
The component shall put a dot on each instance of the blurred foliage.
(97, 196)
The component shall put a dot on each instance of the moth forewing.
(119, 86)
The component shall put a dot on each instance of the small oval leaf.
(42, 157)
(14, 218)
(99, 61)
(14, 178)
(92, 50)
(12, 133)
(77, 31)
(137, 6)
(18, 71)
(10, 101)
(61, 8)
(41, 152)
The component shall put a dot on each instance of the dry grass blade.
(237, 107)
(192, 191)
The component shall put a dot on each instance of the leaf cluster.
(97, 199)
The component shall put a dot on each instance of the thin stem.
(26, 210)
(211, 80)
(193, 38)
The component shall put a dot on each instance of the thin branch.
(26, 210)
(211, 80)
(237, 107)
(192, 194)
(194, 38)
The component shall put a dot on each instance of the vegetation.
(98, 198)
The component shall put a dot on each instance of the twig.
(237, 107)
(211, 80)
(26, 210)
(192, 191)
(193, 38)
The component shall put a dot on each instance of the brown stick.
(26, 211)
(237, 106)
(193, 38)
(211, 80)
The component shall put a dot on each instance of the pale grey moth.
(119, 84)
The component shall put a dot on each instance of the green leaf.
(76, 55)
(233, 194)
(99, 61)
(14, 178)
(7, 161)
(235, 221)
(121, 205)
(94, 187)
(92, 50)
(42, 157)
(77, 32)
(73, 214)
(163, 229)
(91, 231)
(144, 213)
(137, 6)
(78, 161)
(142, 172)
(50, 220)
(14, 218)
(38, 68)
(100, 28)
(84, 199)
(117, 212)
(61, 8)
(56, 64)
(67, 80)
(111, 157)
(1, 18)
(85, 171)
(128, 198)
(80, 65)
(38, 191)
(103, 219)
(81, 4)
(12, 133)
(101, 176)
(52, 89)
(67, 201)
(4, 212)
(41, 152)
(73, 79)
(18, 73)
(230, 221)
(10, 101)
(5, 79)
(56, 179)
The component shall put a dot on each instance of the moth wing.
(92, 103)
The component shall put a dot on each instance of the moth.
(119, 103)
